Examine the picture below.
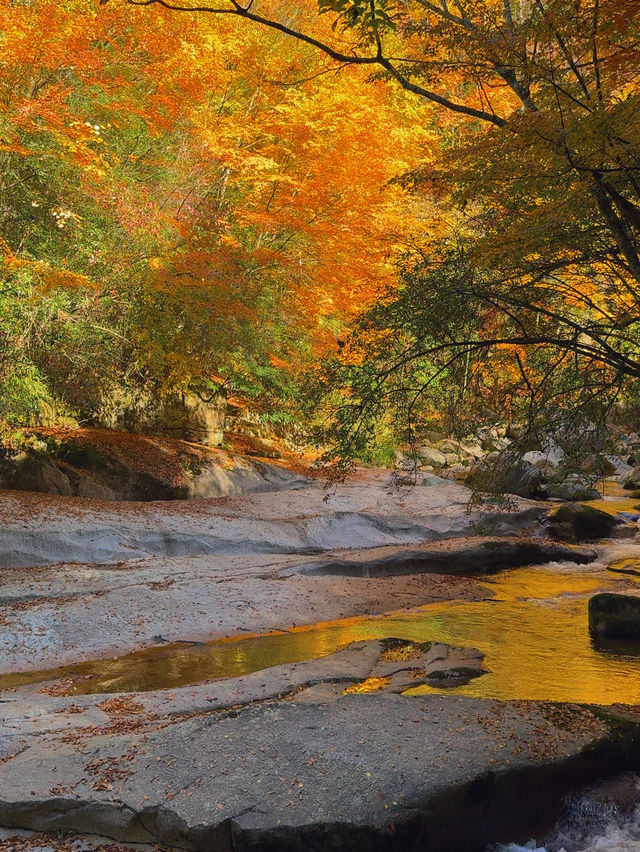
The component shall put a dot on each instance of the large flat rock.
(82, 579)
(362, 771)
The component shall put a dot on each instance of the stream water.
(533, 632)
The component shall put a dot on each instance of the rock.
(431, 436)
(460, 556)
(430, 479)
(86, 486)
(461, 452)
(615, 616)
(111, 465)
(474, 449)
(596, 465)
(374, 771)
(602, 816)
(244, 476)
(573, 522)
(34, 473)
(403, 665)
(185, 416)
(191, 418)
(527, 480)
(432, 456)
(573, 487)
(632, 481)
(547, 462)
(454, 473)
(489, 437)
(620, 467)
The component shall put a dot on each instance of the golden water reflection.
(533, 632)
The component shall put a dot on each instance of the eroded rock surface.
(64, 613)
(202, 769)
(365, 512)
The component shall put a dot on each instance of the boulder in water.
(632, 482)
(615, 616)
(573, 522)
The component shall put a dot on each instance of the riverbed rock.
(406, 665)
(615, 616)
(431, 456)
(573, 487)
(527, 479)
(461, 556)
(573, 522)
(110, 465)
(375, 771)
(361, 512)
(120, 607)
(400, 665)
(546, 461)
(632, 481)
(206, 568)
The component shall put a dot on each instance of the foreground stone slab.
(377, 771)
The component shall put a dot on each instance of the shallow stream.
(533, 632)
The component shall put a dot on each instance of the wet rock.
(601, 817)
(604, 817)
(408, 664)
(615, 616)
(573, 522)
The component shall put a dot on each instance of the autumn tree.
(524, 289)
(175, 209)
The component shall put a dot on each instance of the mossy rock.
(615, 616)
(573, 522)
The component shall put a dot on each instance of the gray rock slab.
(39, 529)
(65, 613)
(289, 775)
(62, 614)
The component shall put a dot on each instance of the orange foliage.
(250, 163)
